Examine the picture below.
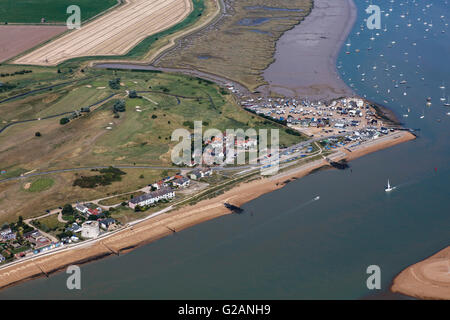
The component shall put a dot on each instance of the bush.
(68, 210)
(64, 121)
(107, 176)
(114, 84)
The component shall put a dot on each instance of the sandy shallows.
(114, 33)
(428, 279)
(17, 39)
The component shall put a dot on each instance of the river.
(286, 246)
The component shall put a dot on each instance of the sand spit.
(427, 279)
(164, 224)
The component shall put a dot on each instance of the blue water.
(287, 246)
(252, 22)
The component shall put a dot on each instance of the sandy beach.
(305, 59)
(164, 224)
(428, 279)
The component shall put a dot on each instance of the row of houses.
(152, 198)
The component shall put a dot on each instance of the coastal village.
(341, 123)
(90, 221)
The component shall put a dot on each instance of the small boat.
(447, 104)
(389, 188)
(316, 198)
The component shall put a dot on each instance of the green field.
(41, 184)
(54, 11)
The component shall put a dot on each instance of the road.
(296, 146)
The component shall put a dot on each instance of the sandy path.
(428, 279)
(114, 33)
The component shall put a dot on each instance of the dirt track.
(114, 33)
(16, 39)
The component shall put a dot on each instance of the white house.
(151, 198)
(81, 208)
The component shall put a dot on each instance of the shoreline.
(162, 225)
(427, 279)
(324, 31)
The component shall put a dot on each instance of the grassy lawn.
(125, 214)
(31, 11)
(50, 224)
(41, 184)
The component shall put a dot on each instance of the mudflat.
(305, 59)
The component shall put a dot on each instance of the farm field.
(16, 39)
(54, 11)
(114, 33)
(242, 45)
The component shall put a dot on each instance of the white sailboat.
(389, 188)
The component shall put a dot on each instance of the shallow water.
(287, 246)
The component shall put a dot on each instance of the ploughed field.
(114, 33)
(53, 11)
(15, 39)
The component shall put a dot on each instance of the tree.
(132, 94)
(119, 106)
(114, 84)
(37, 134)
(68, 210)
(154, 116)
